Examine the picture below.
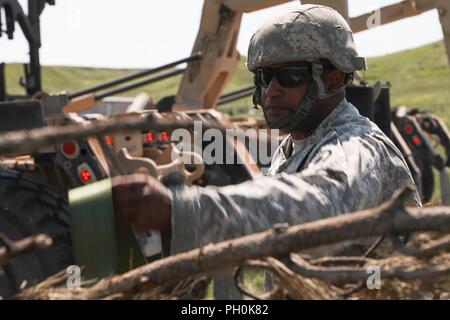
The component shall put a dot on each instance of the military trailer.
(34, 185)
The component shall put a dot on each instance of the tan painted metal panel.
(443, 7)
(392, 13)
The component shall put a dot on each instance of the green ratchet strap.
(100, 245)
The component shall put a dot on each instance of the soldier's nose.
(274, 89)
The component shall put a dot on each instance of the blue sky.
(147, 33)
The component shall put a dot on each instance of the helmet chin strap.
(316, 90)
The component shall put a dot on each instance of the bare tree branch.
(390, 218)
(339, 275)
(27, 141)
(428, 250)
(12, 249)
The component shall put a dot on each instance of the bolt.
(67, 165)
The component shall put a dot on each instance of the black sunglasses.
(287, 76)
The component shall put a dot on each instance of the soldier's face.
(278, 100)
(284, 91)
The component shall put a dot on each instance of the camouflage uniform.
(347, 165)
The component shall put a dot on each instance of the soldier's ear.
(334, 79)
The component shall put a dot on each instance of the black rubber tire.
(29, 207)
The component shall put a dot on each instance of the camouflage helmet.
(309, 33)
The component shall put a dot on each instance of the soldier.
(334, 161)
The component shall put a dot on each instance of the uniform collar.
(283, 161)
(286, 147)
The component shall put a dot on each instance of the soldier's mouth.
(276, 111)
(276, 108)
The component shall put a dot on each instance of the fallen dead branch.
(27, 141)
(437, 267)
(11, 249)
(289, 284)
(389, 219)
(427, 250)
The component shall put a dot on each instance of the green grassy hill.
(419, 77)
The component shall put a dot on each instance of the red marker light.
(150, 137)
(164, 136)
(108, 140)
(408, 129)
(85, 175)
(416, 140)
(69, 148)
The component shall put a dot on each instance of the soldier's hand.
(142, 202)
